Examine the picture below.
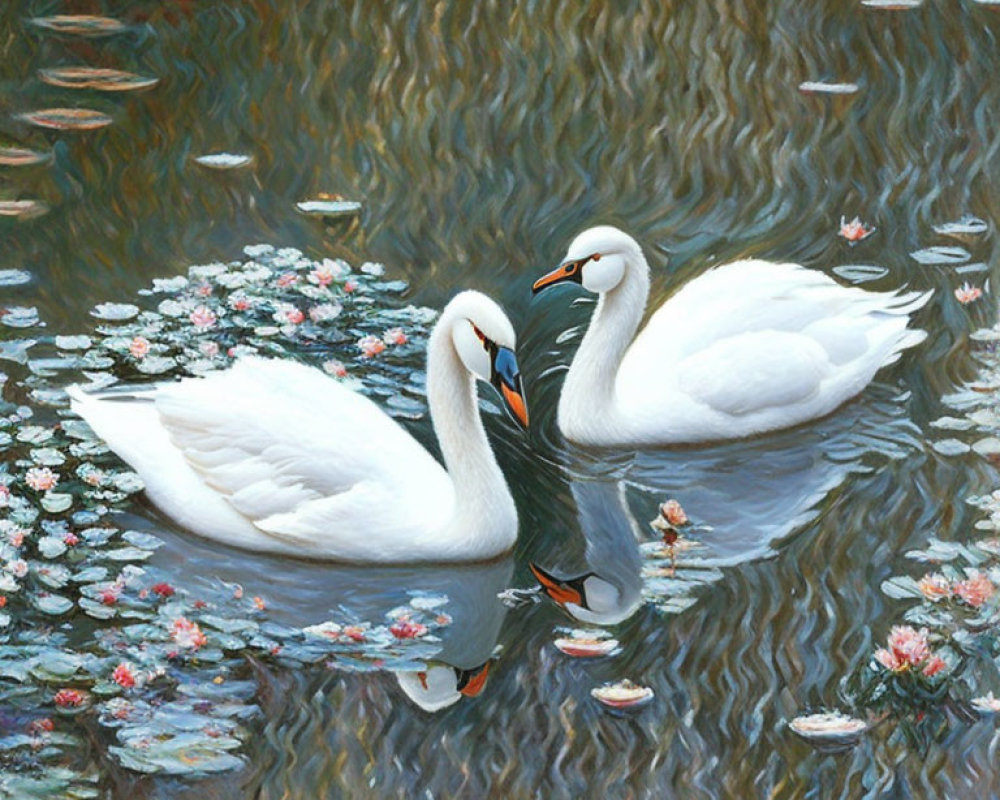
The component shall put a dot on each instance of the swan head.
(588, 598)
(596, 259)
(442, 685)
(485, 341)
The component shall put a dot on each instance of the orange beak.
(515, 402)
(474, 682)
(558, 591)
(567, 271)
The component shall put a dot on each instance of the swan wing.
(300, 456)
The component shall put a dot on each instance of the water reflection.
(303, 593)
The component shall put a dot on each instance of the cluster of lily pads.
(96, 645)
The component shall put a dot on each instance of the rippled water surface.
(480, 137)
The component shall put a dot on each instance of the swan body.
(278, 457)
(748, 347)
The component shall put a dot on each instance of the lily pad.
(67, 119)
(941, 255)
(14, 277)
(22, 209)
(21, 157)
(115, 312)
(80, 24)
(825, 87)
(224, 160)
(103, 80)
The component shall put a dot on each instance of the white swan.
(745, 348)
(276, 456)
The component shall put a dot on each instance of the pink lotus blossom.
(163, 590)
(975, 590)
(94, 477)
(394, 336)
(294, 316)
(110, 594)
(68, 698)
(203, 317)
(16, 537)
(907, 648)
(855, 230)
(38, 727)
(350, 285)
(139, 347)
(41, 479)
(286, 279)
(967, 293)
(405, 629)
(335, 368)
(187, 634)
(673, 513)
(71, 539)
(370, 346)
(123, 675)
(934, 586)
(259, 603)
(209, 349)
(321, 276)
(239, 302)
(205, 290)
(934, 665)
(17, 567)
(355, 633)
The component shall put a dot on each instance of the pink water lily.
(405, 629)
(321, 276)
(967, 293)
(203, 317)
(41, 479)
(395, 336)
(68, 698)
(673, 513)
(139, 347)
(187, 634)
(907, 648)
(975, 590)
(370, 346)
(335, 368)
(123, 675)
(855, 230)
(934, 586)
(286, 279)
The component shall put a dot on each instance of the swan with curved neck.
(747, 347)
(276, 456)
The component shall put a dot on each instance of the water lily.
(934, 665)
(673, 513)
(69, 698)
(907, 648)
(321, 276)
(17, 567)
(975, 590)
(404, 628)
(855, 230)
(394, 336)
(41, 479)
(259, 603)
(163, 589)
(203, 317)
(335, 368)
(187, 634)
(139, 347)
(39, 727)
(4, 495)
(208, 349)
(240, 302)
(325, 312)
(286, 279)
(123, 675)
(987, 703)
(967, 293)
(350, 285)
(71, 539)
(934, 586)
(370, 346)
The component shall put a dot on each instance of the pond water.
(479, 139)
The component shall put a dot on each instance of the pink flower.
(350, 285)
(355, 633)
(16, 537)
(321, 276)
(203, 317)
(187, 634)
(672, 512)
(205, 290)
(71, 539)
(286, 279)
(907, 648)
(163, 590)
(18, 567)
(855, 230)
(934, 586)
(37, 727)
(209, 349)
(110, 594)
(4, 495)
(370, 346)
(123, 675)
(94, 477)
(405, 629)
(335, 368)
(394, 336)
(68, 698)
(967, 293)
(239, 302)
(934, 665)
(294, 316)
(139, 347)
(975, 590)
(41, 479)
(259, 603)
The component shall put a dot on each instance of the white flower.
(325, 312)
(372, 268)
(257, 250)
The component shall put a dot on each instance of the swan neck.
(590, 383)
(451, 395)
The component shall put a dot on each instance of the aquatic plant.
(161, 668)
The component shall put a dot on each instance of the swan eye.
(595, 257)
(479, 335)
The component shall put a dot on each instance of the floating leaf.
(941, 255)
(67, 119)
(329, 208)
(224, 160)
(824, 87)
(21, 157)
(53, 604)
(861, 273)
(22, 209)
(104, 80)
(19, 317)
(966, 225)
(115, 312)
(80, 24)
(14, 277)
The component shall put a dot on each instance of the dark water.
(481, 137)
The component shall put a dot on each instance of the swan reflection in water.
(304, 593)
(744, 497)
